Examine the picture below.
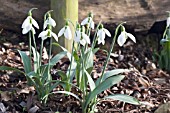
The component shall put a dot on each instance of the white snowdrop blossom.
(48, 33)
(102, 32)
(28, 24)
(88, 21)
(49, 21)
(66, 31)
(81, 37)
(123, 36)
(168, 22)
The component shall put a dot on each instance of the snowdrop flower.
(101, 34)
(88, 21)
(28, 24)
(123, 36)
(168, 22)
(164, 41)
(66, 31)
(81, 37)
(49, 21)
(48, 33)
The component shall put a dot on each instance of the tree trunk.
(62, 10)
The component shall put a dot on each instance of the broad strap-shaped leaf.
(57, 57)
(103, 86)
(72, 71)
(95, 50)
(68, 53)
(111, 73)
(89, 59)
(10, 68)
(26, 61)
(124, 98)
(90, 80)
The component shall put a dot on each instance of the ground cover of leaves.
(145, 81)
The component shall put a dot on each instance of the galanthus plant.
(38, 74)
(164, 56)
(81, 61)
(81, 65)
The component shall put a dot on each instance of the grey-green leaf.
(111, 73)
(124, 98)
(90, 80)
(57, 57)
(26, 61)
(103, 86)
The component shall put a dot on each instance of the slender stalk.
(70, 64)
(95, 37)
(30, 47)
(108, 57)
(41, 50)
(49, 57)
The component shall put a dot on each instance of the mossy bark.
(62, 10)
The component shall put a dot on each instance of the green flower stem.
(108, 57)
(30, 46)
(95, 36)
(34, 41)
(49, 56)
(41, 50)
(70, 64)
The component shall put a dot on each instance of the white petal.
(92, 24)
(26, 22)
(33, 30)
(45, 24)
(43, 34)
(103, 42)
(35, 23)
(61, 32)
(121, 38)
(26, 29)
(99, 40)
(55, 36)
(86, 38)
(85, 21)
(77, 36)
(131, 37)
(52, 22)
(107, 32)
(67, 33)
(83, 42)
(44, 38)
(168, 22)
(99, 32)
(102, 35)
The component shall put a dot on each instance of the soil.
(145, 81)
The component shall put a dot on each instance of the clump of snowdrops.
(81, 65)
(81, 61)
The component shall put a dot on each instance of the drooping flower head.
(66, 31)
(123, 36)
(101, 34)
(28, 23)
(88, 21)
(80, 36)
(48, 20)
(48, 34)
